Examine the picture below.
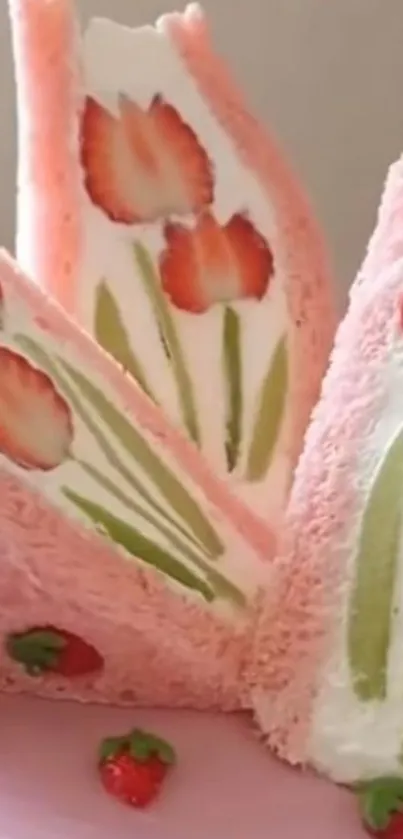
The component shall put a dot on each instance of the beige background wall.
(326, 75)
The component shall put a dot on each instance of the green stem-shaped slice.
(221, 585)
(371, 603)
(138, 545)
(111, 334)
(232, 360)
(41, 357)
(170, 339)
(269, 415)
(170, 487)
(138, 509)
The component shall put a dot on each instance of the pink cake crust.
(299, 249)
(386, 244)
(159, 648)
(49, 241)
(300, 252)
(292, 645)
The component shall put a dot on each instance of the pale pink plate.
(225, 787)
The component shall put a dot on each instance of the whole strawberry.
(133, 767)
(381, 807)
(47, 649)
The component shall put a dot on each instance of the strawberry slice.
(107, 163)
(252, 255)
(132, 768)
(212, 263)
(143, 164)
(50, 650)
(36, 423)
(187, 155)
(381, 806)
(179, 269)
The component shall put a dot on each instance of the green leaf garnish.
(170, 339)
(233, 377)
(110, 747)
(379, 800)
(371, 601)
(37, 649)
(141, 745)
(269, 415)
(139, 449)
(111, 334)
(138, 545)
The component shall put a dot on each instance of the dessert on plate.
(161, 351)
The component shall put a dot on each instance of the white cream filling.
(141, 62)
(351, 739)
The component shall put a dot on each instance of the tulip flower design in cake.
(143, 164)
(213, 264)
(175, 234)
(128, 571)
(328, 671)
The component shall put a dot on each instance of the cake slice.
(128, 572)
(175, 234)
(327, 676)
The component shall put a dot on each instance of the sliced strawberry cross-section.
(211, 263)
(36, 423)
(142, 165)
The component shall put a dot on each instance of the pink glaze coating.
(292, 644)
(49, 231)
(300, 252)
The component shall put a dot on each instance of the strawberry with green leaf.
(46, 649)
(132, 768)
(381, 806)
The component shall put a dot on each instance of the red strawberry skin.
(394, 830)
(47, 649)
(132, 782)
(77, 658)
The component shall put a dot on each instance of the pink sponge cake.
(175, 234)
(128, 572)
(328, 671)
